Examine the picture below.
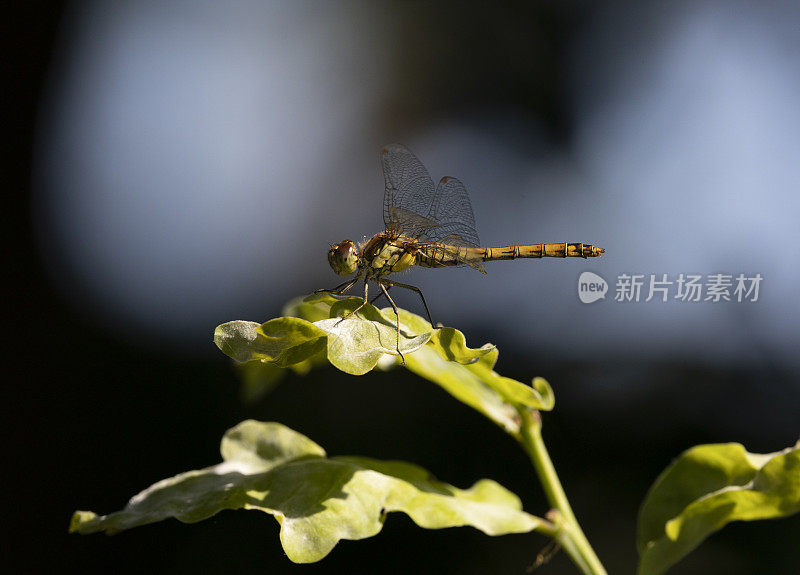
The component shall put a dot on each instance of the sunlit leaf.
(283, 341)
(480, 387)
(358, 342)
(317, 500)
(368, 339)
(707, 487)
(310, 308)
(354, 345)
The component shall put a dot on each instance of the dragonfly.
(428, 226)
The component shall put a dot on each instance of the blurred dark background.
(176, 164)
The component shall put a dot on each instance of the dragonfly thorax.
(343, 257)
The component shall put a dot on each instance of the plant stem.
(571, 536)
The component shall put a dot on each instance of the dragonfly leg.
(373, 300)
(341, 288)
(391, 283)
(397, 316)
(363, 303)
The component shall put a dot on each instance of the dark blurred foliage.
(91, 418)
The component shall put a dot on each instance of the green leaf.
(317, 501)
(707, 487)
(354, 345)
(283, 341)
(358, 342)
(480, 387)
(452, 346)
(450, 343)
(311, 308)
(366, 339)
(468, 375)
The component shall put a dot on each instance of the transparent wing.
(408, 194)
(452, 209)
(412, 207)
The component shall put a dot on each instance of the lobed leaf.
(480, 387)
(362, 342)
(354, 345)
(707, 487)
(317, 501)
(283, 341)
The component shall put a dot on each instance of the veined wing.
(408, 194)
(452, 209)
(413, 208)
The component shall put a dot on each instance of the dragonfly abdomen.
(442, 255)
(562, 250)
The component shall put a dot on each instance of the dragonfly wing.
(409, 192)
(452, 209)
(410, 224)
(413, 207)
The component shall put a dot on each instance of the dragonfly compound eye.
(343, 258)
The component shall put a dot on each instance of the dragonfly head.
(343, 257)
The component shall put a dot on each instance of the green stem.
(571, 536)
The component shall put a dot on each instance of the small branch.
(570, 536)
